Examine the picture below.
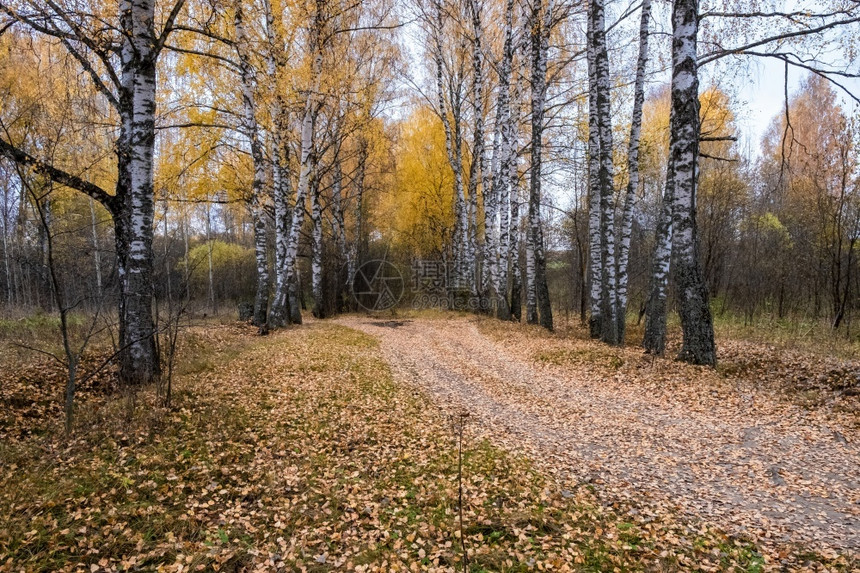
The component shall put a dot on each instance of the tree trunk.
(356, 250)
(94, 237)
(210, 262)
(454, 151)
(531, 284)
(138, 357)
(540, 30)
(252, 131)
(632, 170)
(608, 292)
(503, 158)
(278, 311)
(10, 291)
(696, 322)
(317, 249)
(486, 283)
(306, 164)
(594, 231)
(514, 253)
(654, 340)
(339, 228)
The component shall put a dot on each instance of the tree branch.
(58, 175)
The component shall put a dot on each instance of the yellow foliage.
(226, 257)
(419, 209)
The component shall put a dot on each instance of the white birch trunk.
(503, 152)
(139, 362)
(355, 248)
(540, 30)
(608, 296)
(632, 169)
(10, 288)
(94, 237)
(252, 131)
(308, 121)
(278, 311)
(209, 261)
(531, 285)
(594, 230)
(654, 340)
(514, 252)
(317, 248)
(517, 228)
(480, 170)
(454, 151)
(344, 254)
(698, 343)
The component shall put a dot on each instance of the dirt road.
(739, 461)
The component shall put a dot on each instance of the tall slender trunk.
(280, 154)
(344, 255)
(486, 283)
(608, 292)
(503, 143)
(186, 250)
(319, 310)
(698, 344)
(594, 229)
(632, 170)
(166, 254)
(540, 30)
(252, 131)
(531, 285)
(210, 262)
(514, 253)
(454, 151)
(356, 250)
(654, 340)
(516, 232)
(306, 164)
(10, 290)
(94, 237)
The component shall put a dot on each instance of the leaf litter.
(306, 451)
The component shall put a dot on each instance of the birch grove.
(520, 159)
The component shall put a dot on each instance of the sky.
(761, 97)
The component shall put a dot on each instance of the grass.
(299, 451)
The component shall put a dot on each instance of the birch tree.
(450, 100)
(479, 170)
(632, 170)
(316, 244)
(654, 340)
(280, 159)
(257, 198)
(698, 344)
(601, 78)
(594, 221)
(540, 24)
(118, 52)
(504, 141)
(516, 232)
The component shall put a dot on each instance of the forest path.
(742, 462)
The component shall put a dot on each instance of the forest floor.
(323, 448)
(742, 447)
